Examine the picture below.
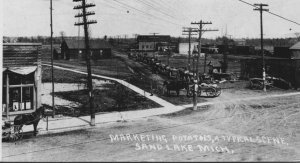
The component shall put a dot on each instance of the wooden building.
(295, 51)
(21, 81)
(151, 43)
(75, 49)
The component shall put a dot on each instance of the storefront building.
(21, 83)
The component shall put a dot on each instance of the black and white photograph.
(150, 80)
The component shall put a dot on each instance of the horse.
(30, 119)
(175, 85)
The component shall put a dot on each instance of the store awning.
(21, 70)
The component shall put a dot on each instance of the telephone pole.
(85, 24)
(200, 31)
(52, 73)
(189, 31)
(261, 9)
(154, 38)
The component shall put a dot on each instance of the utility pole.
(85, 24)
(200, 31)
(154, 38)
(52, 73)
(261, 9)
(189, 31)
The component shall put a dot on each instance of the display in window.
(15, 98)
(4, 108)
(22, 106)
(15, 106)
(28, 106)
(28, 97)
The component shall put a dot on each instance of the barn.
(21, 79)
(74, 49)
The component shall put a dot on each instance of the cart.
(11, 132)
(258, 83)
(211, 90)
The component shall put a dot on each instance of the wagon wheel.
(210, 92)
(5, 134)
(16, 133)
(19, 134)
(218, 92)
(190, 91)
(259, 85)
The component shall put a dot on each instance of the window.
(142, 46)
(18, 95)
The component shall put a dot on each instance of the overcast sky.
(167, 17)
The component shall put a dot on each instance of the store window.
(18, 95)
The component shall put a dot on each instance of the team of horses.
(179, 78)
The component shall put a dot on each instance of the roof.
(152, 38)
(80, 44)
(22, 44)
(296, 46)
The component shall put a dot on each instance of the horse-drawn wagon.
(211, 90)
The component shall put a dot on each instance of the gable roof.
(296, 46)
(80, 44)
(152, 38)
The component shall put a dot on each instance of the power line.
(156, 9)
(130, 7)
(160, 6)
(170, 8)
(145, 12)
(271, 13)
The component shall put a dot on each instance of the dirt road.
(257, 130)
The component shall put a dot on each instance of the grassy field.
(61, 76)
(112, 67)
(115, 97)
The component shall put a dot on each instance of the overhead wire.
(151, 6)
(147, 13)
(159, 6)
(138, 19)
(172, 9)
(271, 13)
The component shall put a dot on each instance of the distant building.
(151, 43)
(75, 49)
(21, 79)
(295, 51)
(240, 42)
